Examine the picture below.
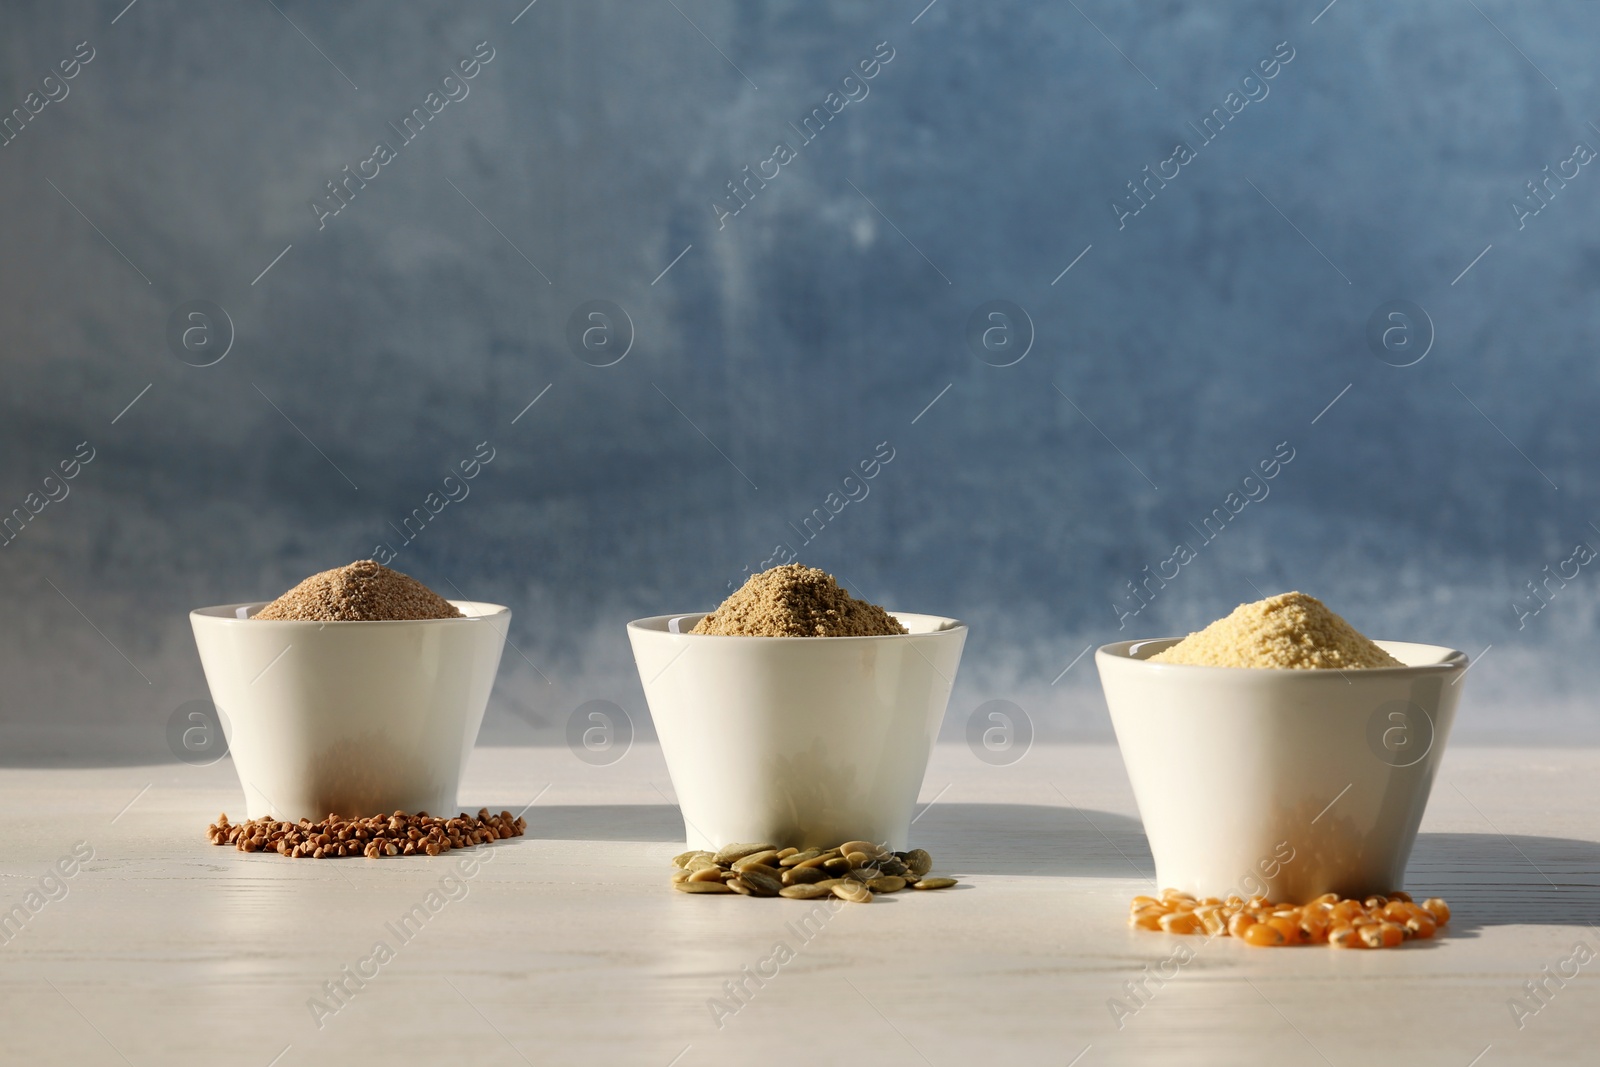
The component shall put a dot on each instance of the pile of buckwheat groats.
(854, 871)
(399, 834)
(1374, 922)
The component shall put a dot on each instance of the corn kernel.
(1345, 937)
(1421, 926)
(1313, 926)
(1181, 922)
(1263, 935)
(1398, 911)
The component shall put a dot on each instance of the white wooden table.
(568, 947)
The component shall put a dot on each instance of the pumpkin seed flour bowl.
(1289, 783)
(803, 741)
(350, 717)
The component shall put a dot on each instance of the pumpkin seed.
(702, 887)
(854, 892)
(854, 871)
(762, 881)
(759, 868)
(803, 892)
(728, 853)
(795, 859)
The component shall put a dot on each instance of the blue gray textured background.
(1177, 352)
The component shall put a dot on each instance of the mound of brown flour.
(364, 590)
(796, 601)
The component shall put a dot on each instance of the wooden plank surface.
(567, 945)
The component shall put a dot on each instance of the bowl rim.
(657, 624)
(229, 613)
(1451, 661)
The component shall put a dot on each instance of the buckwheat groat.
(1288, 631)
(796, 601)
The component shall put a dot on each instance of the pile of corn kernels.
(1375, 922)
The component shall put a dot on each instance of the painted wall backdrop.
(1069, 279)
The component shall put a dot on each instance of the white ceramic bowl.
(1291, 783)
(797, 740)
(353, 718)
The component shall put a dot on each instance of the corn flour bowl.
(1288, 783)
(350, 717)
(803, 741)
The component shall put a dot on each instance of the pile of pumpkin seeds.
(854, 871)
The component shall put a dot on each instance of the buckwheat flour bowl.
(795, 713)
(358, 691)
(1278, 751)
